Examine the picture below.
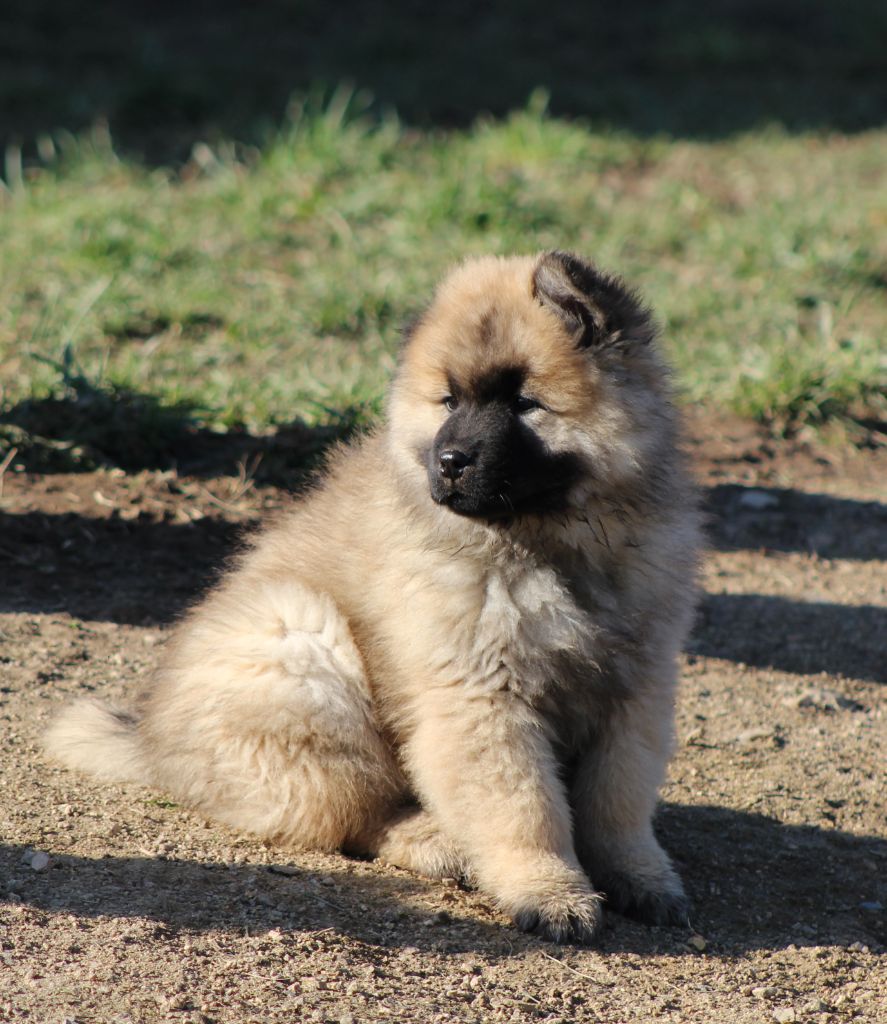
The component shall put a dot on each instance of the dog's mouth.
(468, 505)
(502, 505)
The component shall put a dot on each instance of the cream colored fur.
(454, 696)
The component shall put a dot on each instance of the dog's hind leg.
(411, 839)
(262, 718)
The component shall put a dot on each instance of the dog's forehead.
(495, 354)
(497, 344)
(486, 334)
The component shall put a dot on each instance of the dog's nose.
(453, 463)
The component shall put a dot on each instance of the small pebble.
(762, 992)
(784, 1015)
(697, 942)
(39, 861)
(750, 735)
(758, 500)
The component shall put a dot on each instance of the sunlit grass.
(262, 286)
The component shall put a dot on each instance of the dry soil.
(116, 905)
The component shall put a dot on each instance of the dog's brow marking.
(485, 328)
(500, 382)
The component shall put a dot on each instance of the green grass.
(254, 287)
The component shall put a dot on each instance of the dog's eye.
(451, 402)
(523, 403)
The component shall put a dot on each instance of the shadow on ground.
(781, 519)
(136, 573)
(754, 882)
(168, 74)
(85, 427)
(794, 636)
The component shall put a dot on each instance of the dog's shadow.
(754, 883)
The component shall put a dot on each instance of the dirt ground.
(116, 905)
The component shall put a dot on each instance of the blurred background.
(166, 73)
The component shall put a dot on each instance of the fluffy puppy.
(457, 652)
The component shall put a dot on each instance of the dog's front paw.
(565, 918)
(667, 906)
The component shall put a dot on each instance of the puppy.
(457, 652)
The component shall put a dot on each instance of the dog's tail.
(98, 739)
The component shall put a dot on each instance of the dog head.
(526, 386)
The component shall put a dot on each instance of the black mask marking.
(485, 461)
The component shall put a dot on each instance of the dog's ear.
(596, 309)
(561, 283)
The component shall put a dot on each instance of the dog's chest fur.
(550, 638)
